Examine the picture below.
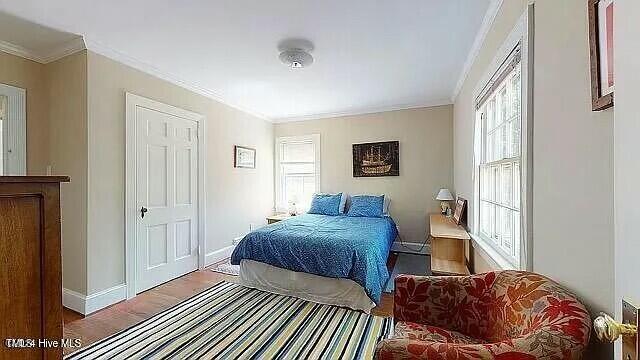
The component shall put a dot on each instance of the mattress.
(339, 247)
(323, 290)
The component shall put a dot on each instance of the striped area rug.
(229, 321)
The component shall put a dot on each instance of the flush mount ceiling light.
(295, 53)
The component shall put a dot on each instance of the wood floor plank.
(122, 315)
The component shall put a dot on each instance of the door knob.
(143, 210)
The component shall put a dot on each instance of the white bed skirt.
(320, 289)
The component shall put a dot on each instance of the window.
(297, 171)
(499, 160)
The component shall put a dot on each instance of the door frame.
(132, 102)
(14, 132)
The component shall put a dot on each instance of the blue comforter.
(353, 248)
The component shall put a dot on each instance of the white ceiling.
(370, 55)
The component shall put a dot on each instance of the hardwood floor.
(122, 315)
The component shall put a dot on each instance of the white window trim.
(521, 34)
(315, 138)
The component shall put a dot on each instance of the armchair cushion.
(512, 314)
(415, 331)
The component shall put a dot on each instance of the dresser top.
(445, 227)
(34, 179)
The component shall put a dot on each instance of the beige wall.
(67, 91)
(573, 150)
(425, 159)
(30, 75)
(573, 159)
(235, 198)
(627, 166)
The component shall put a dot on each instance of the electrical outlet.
(629, 342)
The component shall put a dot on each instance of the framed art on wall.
(601, 51)
(244, 157)
(376, 159)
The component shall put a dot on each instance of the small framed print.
(601, 51)
(244, 157)
(459, 213)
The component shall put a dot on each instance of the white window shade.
(297, 171)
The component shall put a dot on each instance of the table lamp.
(444, 195)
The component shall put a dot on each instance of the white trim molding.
(218, 255)
(487, 22)
(522, 34)
(65, 49)
(364, 111)
(91, 303)
(132, 102)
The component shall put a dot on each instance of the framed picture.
(601, 50)
(244, 157)
(459, 213)
(376, 159)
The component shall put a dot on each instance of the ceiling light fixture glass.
(296, 58)
(295, 53)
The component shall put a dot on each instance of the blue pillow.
(366, 206)
(326, 204)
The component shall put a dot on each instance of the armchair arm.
(442, 301)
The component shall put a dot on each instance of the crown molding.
(487, 22)
(19, 51)
(66, 49)
(364, 111)
(104, 50)
(63, 50)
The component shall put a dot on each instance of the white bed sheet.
(319, 289)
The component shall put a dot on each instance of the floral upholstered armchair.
(509, 315)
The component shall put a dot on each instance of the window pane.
(299, 189)
(297, 152)
(516, 185)
(298, 168)
(506, 234)
(502, 105)
(516, 92)
(506, 190)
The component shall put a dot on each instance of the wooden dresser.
(30, 266)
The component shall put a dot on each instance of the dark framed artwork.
(601, 52)
(459, 215)
(376, 159)
(244, 157)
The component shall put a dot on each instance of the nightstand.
(448, 241)
(277, 217)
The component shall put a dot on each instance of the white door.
(166, 196)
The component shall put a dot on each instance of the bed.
(338, 260)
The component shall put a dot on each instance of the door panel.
(167, 154)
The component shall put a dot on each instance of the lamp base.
(444, 206)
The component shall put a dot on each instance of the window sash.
(499, 169)
(289, 168)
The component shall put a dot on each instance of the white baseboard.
(218, 255)
(73, 300)
(91, 303)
